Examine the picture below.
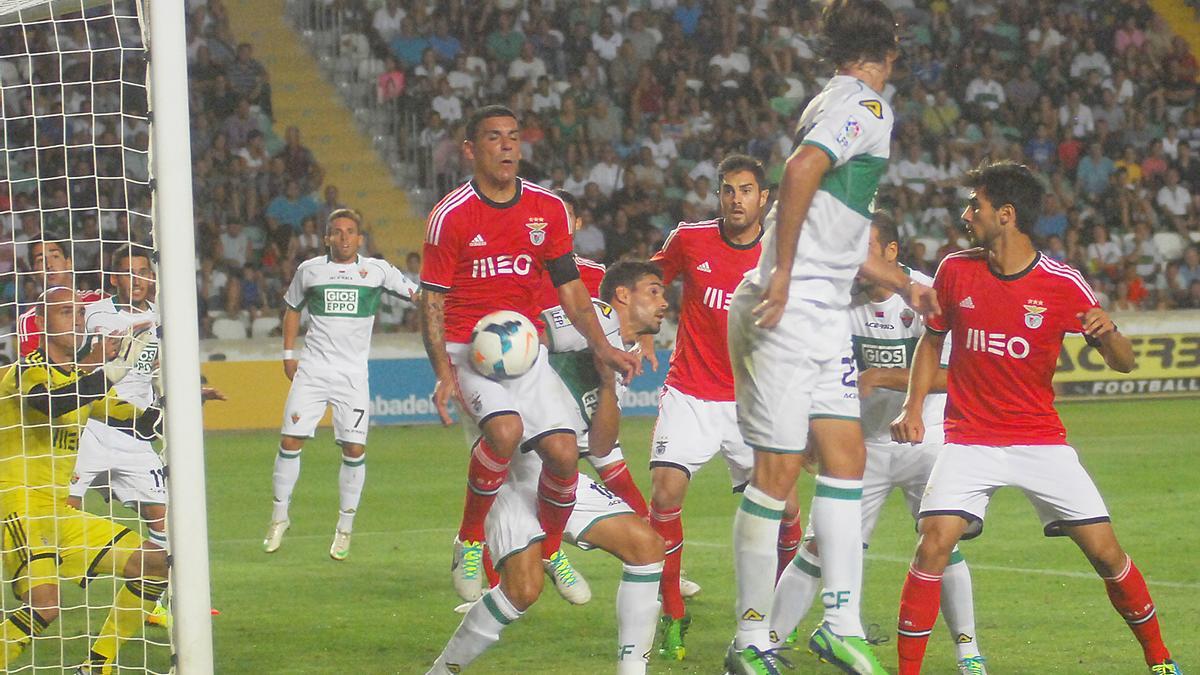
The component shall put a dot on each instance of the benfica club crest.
(906, 317)
(537, 231)
(1033, 314)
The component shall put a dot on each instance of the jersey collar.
(740, 247)
(357, 260)
(498, 205)
(1013, 277)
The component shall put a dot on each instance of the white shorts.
(311, 393)
(130, 467)
(690, 431)
(1061, 491)
(776, 371)
(897, 465)
(539, 397)
(512, 524)
(836, 394)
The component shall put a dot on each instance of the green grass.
(388, 608)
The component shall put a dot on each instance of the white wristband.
(289, 355)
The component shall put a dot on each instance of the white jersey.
(106, 317)
(342, 299)
(563, 336)
(573, 361)
(885, 335)
(852, 124)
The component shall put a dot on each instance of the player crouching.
(600, 519)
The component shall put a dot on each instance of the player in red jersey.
(696, 416)
(487, 245)
(1007, 307)
(51, 260)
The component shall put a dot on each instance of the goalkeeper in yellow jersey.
(44, 402)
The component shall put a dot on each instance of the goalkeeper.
(44, 402)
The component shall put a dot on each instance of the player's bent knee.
(45, 599)
(146, 562)
(291, 443)
(668, 488)
(353, 450)
(503, 433)
(560, 453)
(646, 548)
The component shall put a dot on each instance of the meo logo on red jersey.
(997, 344)
(717, 298)
(494, 266)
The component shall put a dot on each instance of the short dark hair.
(345, 213)
(885, 228)
(625, 274)
(480, 114)
(1010, 183)
(133, 250)
(569, 199)
(742, 163)
(857, 30)
(57, 243)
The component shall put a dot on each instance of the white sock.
(351, 477)
(614, 456)
(287, 471)
(794, 594)
(837, 518)
(755, 532)
(637, 616)
(958, 606)
(479, 629)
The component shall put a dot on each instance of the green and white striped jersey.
(342, 299)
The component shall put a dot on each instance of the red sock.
(556, 500)
(617, 477)
(485, 475)
(669, 526)
(489, 569)
(790, 534)
(1131, 598)
(919, 603)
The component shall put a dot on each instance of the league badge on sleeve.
(537, 230)
(1033, 314)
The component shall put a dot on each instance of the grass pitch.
(388, 608)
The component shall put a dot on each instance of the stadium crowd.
(629, 105)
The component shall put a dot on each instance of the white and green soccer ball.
(504, 345)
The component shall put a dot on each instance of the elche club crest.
(1034, 309)
(537, 230)
(362, 272)
(906, 317)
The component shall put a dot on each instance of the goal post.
(175, 234)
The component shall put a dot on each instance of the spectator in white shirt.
(463, 80)
(588, 239)
(984, 91)
(703, 197)
(606, 173)
(1175, 200)
(1076, 116)
(661, 147)
(528, 66)
(234, 244)
(1103, 255)
(606, 40)
(446, 103)
(1045, 35)
(1144, 255)
(387, 19)
(731, 62)
(914, 173)
(577, 180)
(1089, 59)
(545, 98)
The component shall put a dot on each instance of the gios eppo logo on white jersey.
(997, 344)
(884, 356)
(341, 301)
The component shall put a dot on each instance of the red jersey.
(29, 333)
(1007, 332)
(711, 267)
(487, 256)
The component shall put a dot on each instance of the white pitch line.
(292, 537)
(984, 567)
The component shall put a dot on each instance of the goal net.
(78, 252)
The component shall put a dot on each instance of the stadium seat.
(263, 325)
(1170, 244)
(229, 329)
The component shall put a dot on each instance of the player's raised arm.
(801, 177)
(909, 427)
(605, 427)
(578, 306)
(1102, 333)
(920, 297)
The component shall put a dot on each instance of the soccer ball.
(504, 345)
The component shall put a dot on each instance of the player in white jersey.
(341, 292)
(884, 331)
(815, 245)
(634, 305)
(129, 465)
